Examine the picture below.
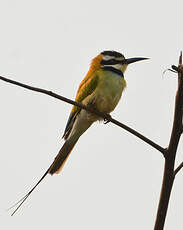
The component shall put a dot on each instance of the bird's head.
(114, 61)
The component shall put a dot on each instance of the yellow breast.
(109, 91)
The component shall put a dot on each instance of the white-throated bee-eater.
(101, 89)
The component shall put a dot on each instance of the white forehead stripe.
(107, 57)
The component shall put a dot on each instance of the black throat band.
(114, 70)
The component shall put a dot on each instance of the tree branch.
(169, 173)
(105, 116)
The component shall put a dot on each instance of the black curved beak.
(132, 60)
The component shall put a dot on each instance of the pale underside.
(104, 98)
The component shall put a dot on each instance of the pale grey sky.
(112, 180)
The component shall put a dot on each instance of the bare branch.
(169, 173)
(105, 116)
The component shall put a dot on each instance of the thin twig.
(106, 117)
(178, 169)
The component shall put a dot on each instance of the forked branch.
(169, 172)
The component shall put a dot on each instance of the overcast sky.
(112, 179)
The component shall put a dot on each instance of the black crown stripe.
(112, 53)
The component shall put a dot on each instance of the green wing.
(87, 86)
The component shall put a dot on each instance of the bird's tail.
(79, 128)
(55, 167)
(62, 156)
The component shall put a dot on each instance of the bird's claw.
(106, 120)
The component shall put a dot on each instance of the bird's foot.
(106, 120)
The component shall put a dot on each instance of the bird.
(100, 90)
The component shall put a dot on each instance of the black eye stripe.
(111, 62)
